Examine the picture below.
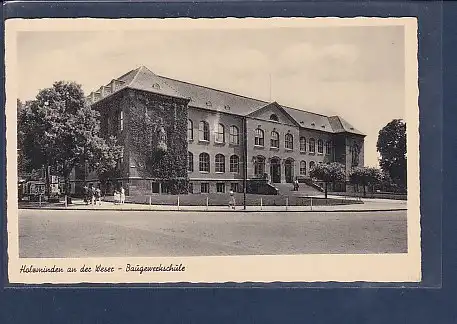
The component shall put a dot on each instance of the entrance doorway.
(275, 170)
(289, 170)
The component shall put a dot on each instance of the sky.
(356, 72)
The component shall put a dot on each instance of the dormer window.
(313, 124)
(274, 118)
(156, 86)
(209, 104)
(227, 107)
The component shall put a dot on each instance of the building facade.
(180, 138)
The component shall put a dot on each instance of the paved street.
(103, 233)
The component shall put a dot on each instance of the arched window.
(312, 146)
(234, 135)
(204, 162)
(259, 165)
(203, 129)
(220, 163)
(220, 134)
(259, 137)
(190, 130)
(190, 162)
(274, 141)
(302, 144)
(312, 164)
(328, 148)
(320, 147)
(289, 141)
(234, 163)
(302, 167)
(274, 117)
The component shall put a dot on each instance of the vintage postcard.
(212, 150)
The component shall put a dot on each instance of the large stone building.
(180, 137)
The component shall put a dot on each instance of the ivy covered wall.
(156, 143)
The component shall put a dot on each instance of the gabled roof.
(278, 106)
(216, 100)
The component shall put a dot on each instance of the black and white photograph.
(212, 150)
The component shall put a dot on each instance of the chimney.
(92, 96)
(113, 85)
(102, 91)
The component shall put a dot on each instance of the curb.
(223, 211)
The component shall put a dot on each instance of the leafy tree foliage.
(365, 176)
(392, 147)
(60, 130)
(331, 172)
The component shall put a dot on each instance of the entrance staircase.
(303, 191)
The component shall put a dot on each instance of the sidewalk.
(368, 205)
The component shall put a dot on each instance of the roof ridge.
(135, 76)
(301, 110)
(214, 89)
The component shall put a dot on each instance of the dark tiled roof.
(217, 100)
(339, 125)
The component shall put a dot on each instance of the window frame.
(220, 185)
(190, 128)
(232, 136)
(259, 141)
(219, 165)
(289, 141)
(302, 167)
(206, 185)
(232, 163)
(312, 146)
(201, 162)
(190, 162)
(274, 133)
(328, 148)
(203, 129)
(320, 147)
(121, 120)
(219, 134)
(303, 144)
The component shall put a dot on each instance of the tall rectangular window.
(122, 120)
(190, 130)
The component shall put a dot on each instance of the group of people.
(93, 195)
(119, 196)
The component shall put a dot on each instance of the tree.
(365, 176)
(62, 132)
(331, 172)
(392, 147)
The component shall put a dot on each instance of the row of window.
(219, 163)
(259, 165)
(219, 134)
(259, 140)
(220, 187)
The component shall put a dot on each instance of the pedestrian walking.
(91, 196)
(122, 193)
(98, 196)
(232, 202)
(86, 194)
